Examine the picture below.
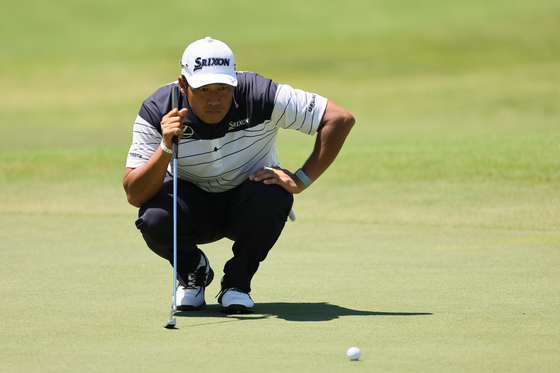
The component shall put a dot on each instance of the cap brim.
(206, 79)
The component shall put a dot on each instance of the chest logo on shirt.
(239, 123)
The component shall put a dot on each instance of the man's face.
(211, 102)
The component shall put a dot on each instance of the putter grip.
(175, 106)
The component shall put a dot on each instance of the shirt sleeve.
(146, 135)
(145, 141)
(298, 110)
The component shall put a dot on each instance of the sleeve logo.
(311, 104)
(134, 155)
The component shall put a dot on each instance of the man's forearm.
(142, 184)
(336, 125)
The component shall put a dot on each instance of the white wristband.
(302, 176)
(165, 148)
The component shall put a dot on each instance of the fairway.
(432, 243)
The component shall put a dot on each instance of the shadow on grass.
(294, 312)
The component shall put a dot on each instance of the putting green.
(432, 243)
(83, 293)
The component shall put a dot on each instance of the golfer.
(230, 181)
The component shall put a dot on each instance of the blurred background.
(73, 73)
(443, 91)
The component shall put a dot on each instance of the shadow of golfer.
(305, 312)
(319, 311)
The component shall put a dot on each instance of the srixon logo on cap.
(206, 62)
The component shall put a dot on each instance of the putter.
(175, 105)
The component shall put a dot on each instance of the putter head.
(172, 320)
(171, 323)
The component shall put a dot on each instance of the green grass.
(432, 243)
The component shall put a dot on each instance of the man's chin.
(212, 119)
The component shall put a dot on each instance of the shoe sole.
(236, 309)
(191, 308)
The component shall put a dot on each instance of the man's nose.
(214, 99)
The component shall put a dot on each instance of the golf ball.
(353, 353)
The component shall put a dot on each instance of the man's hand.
(172, 125)
(333, 130)
(284, 178)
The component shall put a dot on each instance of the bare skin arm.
(143, 183)
(333, 130)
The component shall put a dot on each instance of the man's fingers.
(175, 114)
(270, 175)
(171, 114)
(262, 173)
(172, 125)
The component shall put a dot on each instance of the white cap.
(208, 61)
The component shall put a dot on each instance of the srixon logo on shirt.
(207, 62)
(239, 123)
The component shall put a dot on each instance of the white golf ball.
(353, 353)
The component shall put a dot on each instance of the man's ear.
(183, 84)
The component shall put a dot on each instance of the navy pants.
(252, 215)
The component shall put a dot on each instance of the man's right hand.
(172, 125)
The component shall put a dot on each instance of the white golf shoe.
(234, 300)
(191, 296)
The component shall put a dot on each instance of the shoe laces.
(196, 279)
(225, 290)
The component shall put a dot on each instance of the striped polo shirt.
(219, 158)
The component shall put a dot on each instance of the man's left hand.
(278, 176)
